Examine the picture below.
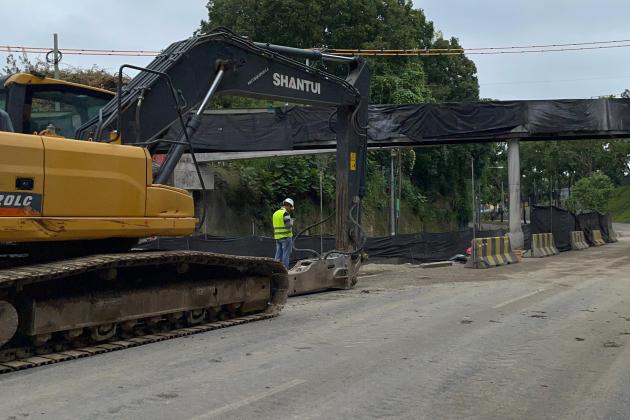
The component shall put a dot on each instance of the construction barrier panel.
(556, 220)
(409, 247)
(578, 240)
(543, 245)
(597, 238)
(491, 252)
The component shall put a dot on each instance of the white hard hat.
(288, 201)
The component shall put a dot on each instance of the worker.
(283, 232)
(5, 122)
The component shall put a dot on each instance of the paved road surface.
(548, 338)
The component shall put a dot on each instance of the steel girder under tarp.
(298, 127)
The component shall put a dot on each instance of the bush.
(591, 193)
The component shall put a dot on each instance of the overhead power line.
(79, 51)
(468, 51)
(519, 82)
(514, 49)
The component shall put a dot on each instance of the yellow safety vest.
(281, 231)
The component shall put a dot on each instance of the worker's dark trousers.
(283, 251)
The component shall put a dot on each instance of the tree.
(551, 165)
(591, 193)
(323, 23)
(451, 77)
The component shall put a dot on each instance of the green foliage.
(401, 88)
(591, 193)
(493, 181)
(264, 183)
(619, 204)
(444, 172)
(93, 76)
(414, 197)
(552, 165)
(322, 23)
(376, 197)
(451, 77)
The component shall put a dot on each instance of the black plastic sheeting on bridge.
(415, 248)
(561, 222)
(296, 127)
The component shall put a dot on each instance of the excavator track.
(74, 308)
(31, 359)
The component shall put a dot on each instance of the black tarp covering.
(605, 225)
(424, 247)
(564, 221)
(527, 236)
(559, 221)
(285, 128)
(595, 221)
(588, 222)
(297, 127)
(416, 247)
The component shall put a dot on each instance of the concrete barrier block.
(597, 238)
(543, 245)
(491, 252)
(578, 240)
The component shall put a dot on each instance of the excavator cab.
(39, 104)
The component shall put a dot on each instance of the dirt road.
(547, 338)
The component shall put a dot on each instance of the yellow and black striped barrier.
(578, 240)
(543, 245)
(597, 238)
(491, 252)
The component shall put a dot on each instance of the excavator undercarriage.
(87, 301)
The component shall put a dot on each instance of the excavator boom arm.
(189, 73)
(251, 70)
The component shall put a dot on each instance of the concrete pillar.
(514, 181)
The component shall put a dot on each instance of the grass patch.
(619, 204)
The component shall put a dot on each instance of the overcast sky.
(153, 24)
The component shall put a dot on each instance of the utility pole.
(473, 252)
(399, 198)
(502, 192)
(392, 195)
(502, 200)
(56, 55)
(550, 204)
(321, 209)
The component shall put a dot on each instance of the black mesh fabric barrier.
(559, 221)
(588, 222)
(562, 222)
(299, 127)
(527, 236)
(424, 247)
(605, 225)
(417, 247)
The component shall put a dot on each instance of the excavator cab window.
(65, 109)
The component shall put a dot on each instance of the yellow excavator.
(74, 202)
